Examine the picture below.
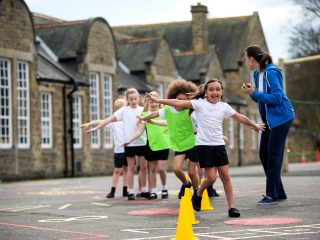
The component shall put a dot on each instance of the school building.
(57, 74)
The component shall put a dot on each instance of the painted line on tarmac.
(22, 208)
(263, 221)
(101, 204)
(81, 218)
(147, 230)
(64, 206)
(90, 235)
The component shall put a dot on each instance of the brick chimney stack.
(199, 27)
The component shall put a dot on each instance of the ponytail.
(263, 58)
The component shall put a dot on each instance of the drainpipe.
(70, 97)
(65, 154)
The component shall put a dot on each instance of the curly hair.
(181, 86)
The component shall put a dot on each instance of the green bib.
(157, 135)
(181, 133)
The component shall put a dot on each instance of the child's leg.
(200, 171)
(161, 166)
(130, 174)
(177, 168)
(211, 176)
(143, 173)
(116, 175)
(193, 173)
(152, 176)
(225, 178)
(125, 175)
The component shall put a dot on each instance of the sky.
(277, 16)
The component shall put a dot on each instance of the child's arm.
(137, 134)
(97, 124)
(260, 126)
(170, 102)
(149, 116)
(158, 123)
(226, 140)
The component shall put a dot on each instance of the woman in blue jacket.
(276, 112)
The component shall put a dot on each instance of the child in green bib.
(157, 149)
(181, 134)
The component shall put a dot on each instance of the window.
(23, 104)
(46, 120)
(94, 107)
(76, 120)
(160, 89)
(241, 136)
(107, 100)
(231, 133)
(5, 105)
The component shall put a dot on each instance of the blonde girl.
(137, 147)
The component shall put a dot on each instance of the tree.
(305, 37)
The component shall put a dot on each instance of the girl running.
(210, 111)
(181, 134)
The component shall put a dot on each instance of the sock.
(131, 191)
(164, 187)
(154, 190)
(144, 189)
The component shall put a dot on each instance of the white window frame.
(160, 89)
(107, 104)
(231, 133)
(94, 107)
(77, 121)
(241, 136)
(46, 119)
(23, 109)
(8, 117)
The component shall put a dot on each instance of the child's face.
(214, 92)
(181, 96)
(133, 100)
(153, 106)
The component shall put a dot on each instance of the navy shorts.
(120, 160)
(212, 156)
(135, 151)
(191, 154)
(156, 155)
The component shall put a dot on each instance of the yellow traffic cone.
(184, 228)
(190, 212)
(205, 202)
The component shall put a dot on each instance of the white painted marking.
(101, 204)
(28, 208)
(82, 218)
(64, 206)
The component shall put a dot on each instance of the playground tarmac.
(76, 209)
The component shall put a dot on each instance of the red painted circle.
(263, 221)
(154, 212)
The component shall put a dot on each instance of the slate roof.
(227, 34)
(49, 69)
(64, 38)
(134, 53)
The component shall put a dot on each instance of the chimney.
(199, 28)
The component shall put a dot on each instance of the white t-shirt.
(129, 117)
(260, 89)
(117, 135)
(209, 121)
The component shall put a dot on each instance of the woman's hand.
(247, 88)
